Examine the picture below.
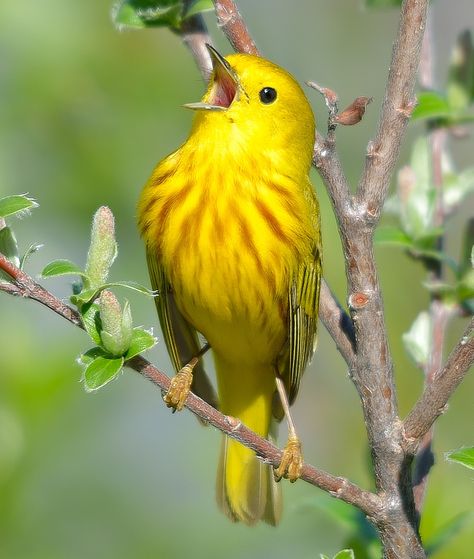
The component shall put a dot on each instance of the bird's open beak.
(225, 85)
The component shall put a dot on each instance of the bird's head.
(256, 102)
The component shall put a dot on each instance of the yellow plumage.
(231, 226)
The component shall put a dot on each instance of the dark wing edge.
(303, 304)
(180, 337)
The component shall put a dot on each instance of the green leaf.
(447, 532)
(417, 340)
(345, 554)
(91, 321)
(464, 456)
(62, 268)
(416, 194)
(101, 371)
(421, 250)
(32, 249)
(465, 286)
(393, 236)
(199, 6)
(16, 204)
(439, 287)
(88, 356)
(148, 13)
(89, 294)
(428, 242)
(124, 15)
(431, 105)
(141, 341)
(456, 187)
(9, 248)
(461, 73)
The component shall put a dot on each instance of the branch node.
(224, 17)
(340, 490)
(319, 155)
(372, 150)
(233, 422)
(330, 96)
(372, 213)
(406, 109)
(358, 300)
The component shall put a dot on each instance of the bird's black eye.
(268, 95)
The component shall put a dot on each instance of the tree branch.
(339, 487)
(397, 107)
(372, 369)
(434, 399)
(233, 26)
(195, 36)
(327, 162)
(24, 286)
(337, 323)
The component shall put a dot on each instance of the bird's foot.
(291, 462)
(179, 388)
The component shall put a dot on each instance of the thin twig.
(434, 399)
(327, 163)
(373, 369)
(337, 323)
(195, 36)
(232, 24)
(340, 487)
(23, 285)
(269, 453)
(397, 107)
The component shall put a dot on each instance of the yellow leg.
(292, 459)
(181, 383)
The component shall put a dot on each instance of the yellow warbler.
(231, 226)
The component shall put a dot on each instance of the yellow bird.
(231, 226)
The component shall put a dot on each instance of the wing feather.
(181, 338)
(303, 304)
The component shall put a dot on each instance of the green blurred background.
(85, 113)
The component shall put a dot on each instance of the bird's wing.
(303, 304)
(181, 338)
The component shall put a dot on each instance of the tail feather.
(246, 489)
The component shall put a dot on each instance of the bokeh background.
(85, 113)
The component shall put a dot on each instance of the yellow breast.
(229, 244)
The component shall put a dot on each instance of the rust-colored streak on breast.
(272, 221)
(171, 201)
(247, 238)
(285, 198)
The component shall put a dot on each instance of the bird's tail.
(246, 489)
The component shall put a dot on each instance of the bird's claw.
(179, 389)
(291, 462)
